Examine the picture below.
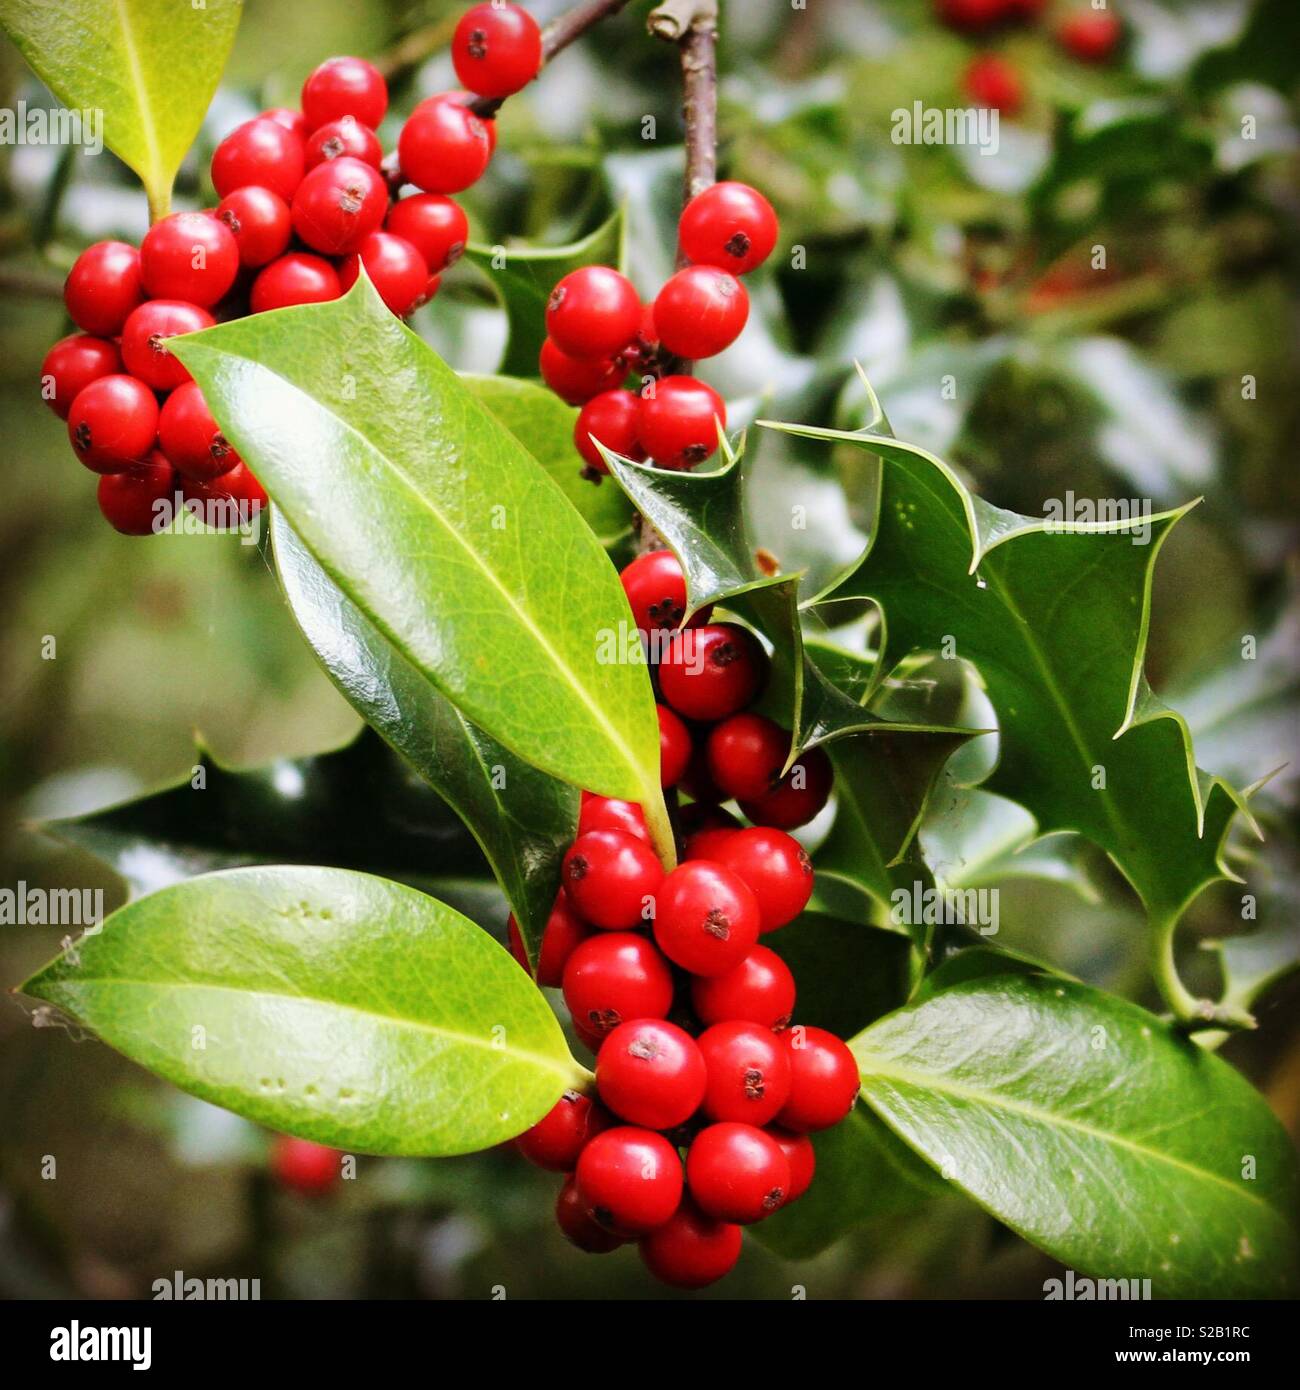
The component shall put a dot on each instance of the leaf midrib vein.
(930, 1081)
(137, 81)
(451, 1034)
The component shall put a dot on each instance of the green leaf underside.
(442, 529)
(864, 1174)
(522, 819)
(1094, 1130)
(525, 278)
(151, 69)
(1024, 605)
(358, 807)
(543, 424)
(329, 1004)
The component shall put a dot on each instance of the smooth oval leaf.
(151, 70)
(444, 531)
(543, 424)
(1094, 1130)
(330, 1004)
(523, 819)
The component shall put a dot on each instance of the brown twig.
(693, 26)
(556, 37)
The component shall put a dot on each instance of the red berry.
(746, 754)
(339, 204)
(699, 819)
(609, 813)
(557, 1139)
(561, 934)
(71, 365)
(674, 747)
(737, 1173)
(288, 118)
(113, 422)
(346, 136)
(706, 920)
(650, 1073)
(797, 797)
(656, 590)
(344, 87)
(1090, 36)
(496, 49)
(394, 266)
(706, 844)
(103, 287)
(460, 98)
(189, 256)
(748, 1071)
(443, 147)
(972, 15)
(611, 877)
(691, 1249)
(259, 221)
(294, 279)
(700, 311)
(129, 499)
(615, 976)
(613, 418)
(435, 225)
(730, 225)
(775, 866)
(144, 340)
(303, 1166)
(758, 990)
(629, 1179)
(262, 152)
(577, 379)
(230, 498)
(991, 81)
(680, 420)
(802, 1158)
(824, 1080)
(593, 312)
(712, 671)
(578, 1227)
(191, 437)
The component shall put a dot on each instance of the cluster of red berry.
(598, 331)
(663, 975)
(305, 198)
(1089, 35)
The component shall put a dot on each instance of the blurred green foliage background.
(917, 261)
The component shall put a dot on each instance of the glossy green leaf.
(1095, 1131)
(444, 531)
(522, 819)
(150, 68)
(864, 1174)
(1084, 744)
(543, 424)
(359, 807)
(334, 1005)
(524, 277)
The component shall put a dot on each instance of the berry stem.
(556, 37)
(693, 26)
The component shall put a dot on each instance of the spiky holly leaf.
(524, 277)
(1054, 617)
(358, 807)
